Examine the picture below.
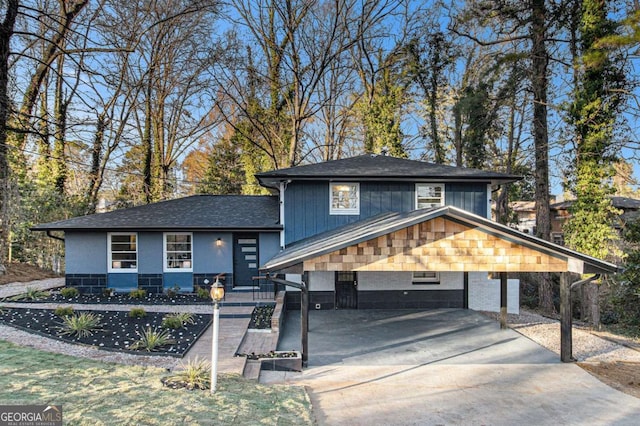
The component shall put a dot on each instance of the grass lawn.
(98, 393)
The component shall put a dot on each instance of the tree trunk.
(95, 174)
(539, 84)
(6, 32)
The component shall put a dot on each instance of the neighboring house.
(363, 232)
(526, 214)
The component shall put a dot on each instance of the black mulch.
(117, 332)
(261, 317)
(122, 299)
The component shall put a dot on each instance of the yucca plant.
(177, 320)
(81, 325)
(31, 294)
(193, 374)
(152, 339)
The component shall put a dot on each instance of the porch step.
(236, 311)
(242, 289)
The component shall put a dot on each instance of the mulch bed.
(122, 299)
(261, 317)
(117, 332)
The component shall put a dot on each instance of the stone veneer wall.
(87, 283)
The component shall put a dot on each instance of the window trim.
(165, 268)
(442, 193)
(350, 211)
(110, 268)
(435, 280)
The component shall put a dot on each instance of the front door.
(346, 290)
(245, 258)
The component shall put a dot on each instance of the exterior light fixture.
(219, 242)
(217, 294)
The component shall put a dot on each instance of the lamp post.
(217, 294)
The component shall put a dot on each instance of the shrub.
(69, 292)
(137, 313)
(64, 311)
(177, 320)
(151, 340)
(194, 374)
(107, 292)
(81, 325)
(202, 293)
(139, 293)
(173, 291)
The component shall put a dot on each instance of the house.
(369, 231)
(560, 213)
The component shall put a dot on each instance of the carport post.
(566, 343)
(304, 319)
(503, 300)
(566, 314)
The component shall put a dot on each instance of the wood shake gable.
(440, 239)
(439, 244)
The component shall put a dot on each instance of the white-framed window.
(123, 251)
(425, 277)
(429, 195)
(178, 252)
(344, 198)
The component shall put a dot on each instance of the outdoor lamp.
(217, 291)
(217, 294)
(219, 244)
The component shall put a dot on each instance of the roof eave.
(273, 181)
(160, 229)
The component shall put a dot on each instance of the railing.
(264, 288)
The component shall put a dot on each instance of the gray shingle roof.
(386, 223)
(198, 212)
(368, 166)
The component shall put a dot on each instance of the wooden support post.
(566, 318)
(465, 292)
(503, 300)
(304, 320)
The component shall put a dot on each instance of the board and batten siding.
(307, 204)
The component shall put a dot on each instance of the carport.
(443, 239)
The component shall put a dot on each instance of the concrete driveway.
(441, 367)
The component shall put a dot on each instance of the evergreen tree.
(598, 99)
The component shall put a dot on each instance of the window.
(178, 252)
(429, 195)
(558, 238)
(344, 198)
(425, 277)
(123, 252)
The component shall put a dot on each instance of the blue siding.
(149, 252)
(208, 258)
(85, 252)
(471, 197)
(307, 204)
(184, 280)
(122, 282)
(269, 246)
